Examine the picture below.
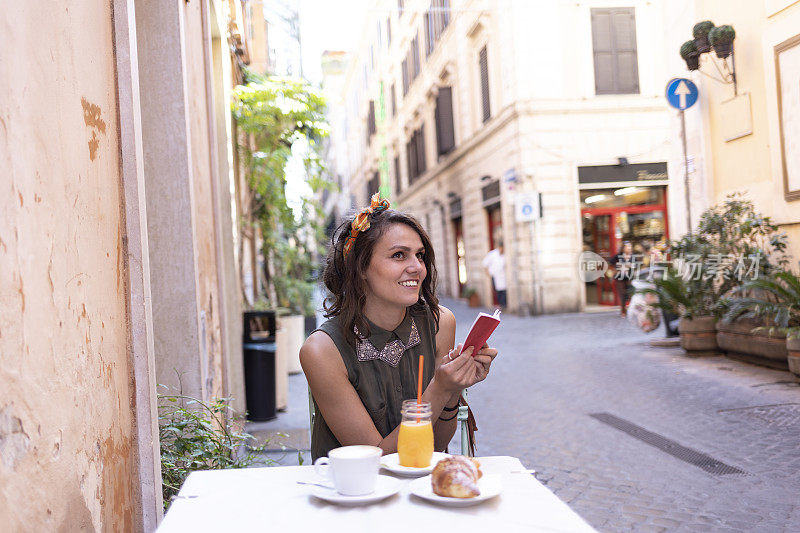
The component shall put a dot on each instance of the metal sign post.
(682, 94)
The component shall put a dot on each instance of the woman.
(383, 314)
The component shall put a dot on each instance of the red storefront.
(621, 203)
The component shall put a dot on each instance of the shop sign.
(614, 173)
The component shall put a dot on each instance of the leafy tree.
(275, 115)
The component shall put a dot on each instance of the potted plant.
(471, 296)
(690, 54)
(693, 302)
(721, 38)
(700, 34)
(777, 300)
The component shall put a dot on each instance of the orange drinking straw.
(419, 384)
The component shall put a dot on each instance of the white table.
(270, 499)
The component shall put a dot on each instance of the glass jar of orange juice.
(415, 441)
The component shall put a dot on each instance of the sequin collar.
(388, 346)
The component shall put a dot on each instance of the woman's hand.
(459, 371)
(483, 360)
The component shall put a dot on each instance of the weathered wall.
(205, 210)
(65, 409)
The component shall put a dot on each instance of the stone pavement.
(555, 371)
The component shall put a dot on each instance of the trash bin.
(258, 347)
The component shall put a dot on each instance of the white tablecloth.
(270, 499)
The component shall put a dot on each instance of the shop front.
(619, 204)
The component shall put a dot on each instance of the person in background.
(495, 265)
(624, 266)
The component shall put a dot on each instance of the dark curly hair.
(344, 276)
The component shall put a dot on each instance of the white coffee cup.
(353, 469)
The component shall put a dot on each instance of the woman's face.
(627, 249)
(397, 268)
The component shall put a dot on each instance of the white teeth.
(408, 283)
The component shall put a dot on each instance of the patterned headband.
(361, 222)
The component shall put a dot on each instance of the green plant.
(688, 50)
(701, 29)
(198, 435)
(776, 299)
(732, 241)
(677, 295)
(467, 291)
(280, 119)
(721, 35)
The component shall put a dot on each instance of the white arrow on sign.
(682, 90)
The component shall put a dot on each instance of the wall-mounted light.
(595, 198)
(622, 161)
(626, 190)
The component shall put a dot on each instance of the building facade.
(539, 124)
(744, 137)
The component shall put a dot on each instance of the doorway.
(610, 217)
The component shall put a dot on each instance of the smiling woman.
(383, 315)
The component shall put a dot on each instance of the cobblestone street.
(555, 371)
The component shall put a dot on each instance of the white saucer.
(391, 463)
(386, 486)
(489, 486)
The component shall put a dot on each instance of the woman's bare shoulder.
(447, 320)
(319, 349)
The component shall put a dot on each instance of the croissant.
(456, 477)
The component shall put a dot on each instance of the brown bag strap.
(472, 426)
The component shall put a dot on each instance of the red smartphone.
(481, 330)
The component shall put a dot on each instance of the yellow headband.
(361, 222)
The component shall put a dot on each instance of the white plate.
(385, 487)
(489, 486)
(391, 463)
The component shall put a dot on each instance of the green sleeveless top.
(383, 370)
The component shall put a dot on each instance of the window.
(371, 120)
(415, 64)
(393, 101)
(398, 185)
(483, 63)
(400, 6)
(388, 31)
(616, 69)
(436, 20)
(411, 65)
(445, 132)
(415, 154)
(373, 185)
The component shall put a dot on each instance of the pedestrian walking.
(383, 314)
(495, 265)
(624, 265)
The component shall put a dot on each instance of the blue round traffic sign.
(682, 93)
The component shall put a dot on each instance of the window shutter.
(415, 57)
(616, 68)
(603, 51)
(483, 61)
(421, 150)
(398, 178)
(394, 101)
(411, 157)
(624, 27)
(428, 34)
(404, 68)
(388, 31)
(445, 132)
(371, 120)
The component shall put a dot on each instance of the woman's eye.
(397, 255)
(420, 255)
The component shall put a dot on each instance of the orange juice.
(415, 443)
